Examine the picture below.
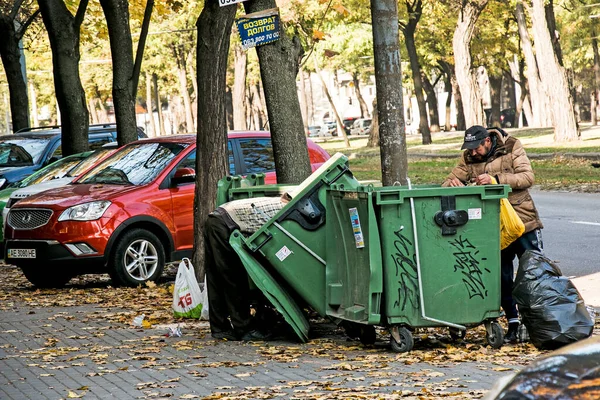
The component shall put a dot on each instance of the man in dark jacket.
(493, 153)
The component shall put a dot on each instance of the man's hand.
(455, 182)
(483, 179)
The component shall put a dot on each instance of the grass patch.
(553, 173)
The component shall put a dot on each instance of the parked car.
(28, 150)
(361, 126)
(128, 215)
(57, 174)
(313, 130)
(348, 122)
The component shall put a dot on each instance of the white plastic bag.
(187, 296)
(204, 313)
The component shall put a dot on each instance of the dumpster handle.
(421, 298)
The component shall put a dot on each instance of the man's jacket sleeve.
(461, 172)
(522, 176)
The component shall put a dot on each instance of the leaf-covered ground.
(87, 327)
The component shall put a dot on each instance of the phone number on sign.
(269, 37)
(227, 2)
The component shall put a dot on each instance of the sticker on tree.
(259, 28)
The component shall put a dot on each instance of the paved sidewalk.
(68, 352)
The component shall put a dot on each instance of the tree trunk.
(593, 107)
(388, 78)
(11, 60)
(432, 103)
(553, 77)
(364, 109)
(495, 94)
(303, 100)
(414, 11)
(374, 136)
(279, 62)
(340, 124)
(92, 110)
(239, 88)
(63, 32)
(461, 124)
(552, 31)
(149, 109)
(34, 108)
(596, 90)
(461, 41)
(447, 71)
(522, 104)
(540, 107)
(214, 31)
(257, 106)
(183, 89)
(121, 48)
(161, 119)
(192, 73)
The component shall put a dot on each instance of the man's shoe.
(512, 335)
(255, 336)
(225, 335)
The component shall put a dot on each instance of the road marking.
(585, 223)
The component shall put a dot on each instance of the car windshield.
(86, 163)
(21, 151)
(55, 170)
(136, 164)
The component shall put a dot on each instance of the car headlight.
(85, 212)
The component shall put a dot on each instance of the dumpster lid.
(277, 295)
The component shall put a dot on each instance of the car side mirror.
(183, 175)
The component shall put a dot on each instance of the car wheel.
(138, 257)
(50, 277)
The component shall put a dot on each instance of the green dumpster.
(431, 254)
(291, 247)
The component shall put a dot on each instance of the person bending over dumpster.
(226, 277)
(494, 153)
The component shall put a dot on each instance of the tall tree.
(126, 73)
(553, 77)
(214, 31)
(64, 33)
(239, 87)
(388, 80)
(14, 21)
(461, 41)
(414, 10)
(283, 108)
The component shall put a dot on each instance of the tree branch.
(139, 55)
(15, 10)
(80, 14)
(24, 27)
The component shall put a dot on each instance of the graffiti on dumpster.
(468, 265)
(406, 272)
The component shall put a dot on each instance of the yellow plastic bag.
(511, 226)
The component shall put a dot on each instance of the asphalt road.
(571, 233)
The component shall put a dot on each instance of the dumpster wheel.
(401, 339)
(495, 334)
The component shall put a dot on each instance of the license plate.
(21, 253)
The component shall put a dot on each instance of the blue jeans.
(528, 241)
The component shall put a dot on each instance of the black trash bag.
(550, 305)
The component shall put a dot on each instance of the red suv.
(128, 215)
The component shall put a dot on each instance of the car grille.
(28, 218)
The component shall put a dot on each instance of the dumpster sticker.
(283, 253)
(406, 272)
(466, 262)
(358, 236)
(474, 213)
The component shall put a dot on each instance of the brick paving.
(66, 352)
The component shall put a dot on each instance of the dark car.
(507, 118)
(30, 149)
